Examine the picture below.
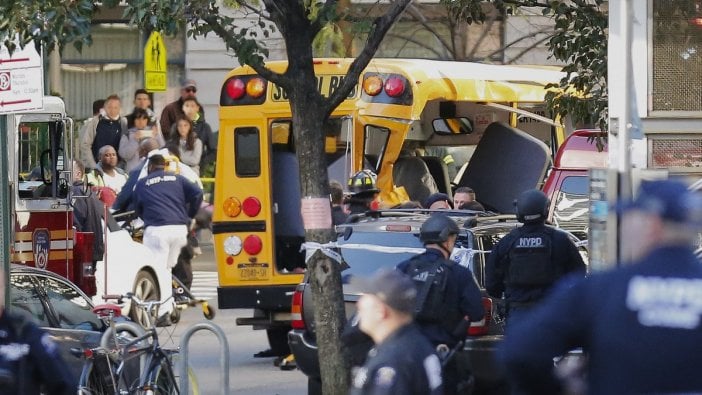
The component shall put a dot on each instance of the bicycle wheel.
(166, 383)
(162, 381)
(126, 331)
(97, 378)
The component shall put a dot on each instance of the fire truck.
(40, 174)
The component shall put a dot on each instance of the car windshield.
(363, 262)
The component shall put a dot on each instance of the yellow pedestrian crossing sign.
(155, 77)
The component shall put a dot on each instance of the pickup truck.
(382, 240)
(567, 183)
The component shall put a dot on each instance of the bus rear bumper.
(267, 298)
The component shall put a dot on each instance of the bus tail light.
(373, 85)
(298, 321)
(251, 206)
(256, 87)
(232, 206)
(232, 245)
(481, 327)
(236, 88)
(253, 245)
(394, 86)
(243, 90)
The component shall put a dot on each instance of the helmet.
(363, 181)
(437, 229)
(532, 206)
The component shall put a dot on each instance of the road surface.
(247, 375)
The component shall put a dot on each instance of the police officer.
(640, 323)
(448, 297)
(403, 361)
(364, 193)
(524, 265)
(29, 359)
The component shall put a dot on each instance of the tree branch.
(483, 34)
(416, 42)
(534, 34)
(380, 28)
(321, 20)
(231, 42)
(527, 49)
(413, 11)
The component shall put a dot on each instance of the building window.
(676, 46)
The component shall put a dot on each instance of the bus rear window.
(247, 152)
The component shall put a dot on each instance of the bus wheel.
(278, 340)
(145, 288)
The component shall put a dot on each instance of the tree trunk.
(324, 273)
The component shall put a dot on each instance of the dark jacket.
(640, 325)
(30, 359)
(125, 198)
(170, 115)
(462, 295)
(565, 259)
(209, 141)
(338, 215)
(88, 212)
(404, 363)
(163, 198)
(98, 132)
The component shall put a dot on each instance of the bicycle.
(97, 376)
(137, 365)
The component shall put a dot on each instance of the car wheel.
(278, 340)
(314, 386)
(145, 288)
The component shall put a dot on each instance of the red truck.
(567, 183)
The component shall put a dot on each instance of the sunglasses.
(191, 89)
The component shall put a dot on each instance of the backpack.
(530, 259)
(430, 278)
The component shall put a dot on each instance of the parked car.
(57, 306)
(400, 231)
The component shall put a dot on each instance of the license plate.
(252, 273)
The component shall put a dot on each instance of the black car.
(400, 232)
(58, 307)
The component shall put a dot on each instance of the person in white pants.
(166, 202)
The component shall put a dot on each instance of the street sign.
(155, 77)
(21, 79)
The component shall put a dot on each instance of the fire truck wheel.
(145, 288)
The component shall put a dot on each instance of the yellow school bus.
(401, 104)
(437, 112)
(257, 225)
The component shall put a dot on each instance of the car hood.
(506, 162)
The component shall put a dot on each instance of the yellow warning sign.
(155, 77)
